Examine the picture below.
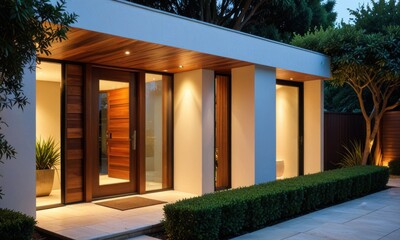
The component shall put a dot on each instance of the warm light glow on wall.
(287, 130)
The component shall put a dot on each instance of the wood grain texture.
(339, 130)
(167, 137)
(223, 132)
(390, 136)
(103, 49)
(141, 132)
(118, 142)
(122, 159)
(74, 144)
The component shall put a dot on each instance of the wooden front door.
(118, 138)
(114, 128)
(222, 133)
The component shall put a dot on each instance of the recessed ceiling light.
(291, 79)
(180, 66)
(127, 52)
(165, 70)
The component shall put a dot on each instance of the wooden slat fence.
(340, 129)
(390, 136)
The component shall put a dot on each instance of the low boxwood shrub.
(228, 213)
(394, 167)
(15, 225)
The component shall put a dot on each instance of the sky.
(342, 6)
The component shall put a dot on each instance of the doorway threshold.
(92, 221)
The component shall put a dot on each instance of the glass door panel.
(48, 126)
(114, 140)
(113, 156)
(287, 135)
(158, 134)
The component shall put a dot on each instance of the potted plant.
(47, 159)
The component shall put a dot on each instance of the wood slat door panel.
(222, 132)
(119, 137)
(74, 144)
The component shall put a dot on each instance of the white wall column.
(18, 175)
(253, 125)
(313, 126)
(194, 131)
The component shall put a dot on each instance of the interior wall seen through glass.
(154, 131)
(114, 132)
(48, 126)
(287, 135)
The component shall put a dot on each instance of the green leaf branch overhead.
(26, 28)
(273, 19)
(366, 60)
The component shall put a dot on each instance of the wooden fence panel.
(340, 129)
(390, 136)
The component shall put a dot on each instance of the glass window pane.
(114, 137)
(154, 131)
(287, 135)
(48, 125)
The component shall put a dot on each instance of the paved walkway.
(91, 221)
(373, 217)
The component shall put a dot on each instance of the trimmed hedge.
(394, 167)
(228, 213)
(16, 225)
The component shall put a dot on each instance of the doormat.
(130, 203)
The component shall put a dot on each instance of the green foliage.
(376, 15)
(357, 56)
(352, 156)
(26, 27)
(232, 212)
(394, 167)
(368, 63)
(274, 19)
(47, 154)
(281, 20)
(343, 99)
(16, 225)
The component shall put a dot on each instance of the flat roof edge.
(216, 26)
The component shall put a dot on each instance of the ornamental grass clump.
(47, 154)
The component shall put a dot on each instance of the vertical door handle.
(134, 140)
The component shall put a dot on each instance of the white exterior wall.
(18, 175)
(313, 126)
(265, 124)
(194, 132)
(253, 125)
(155, 26)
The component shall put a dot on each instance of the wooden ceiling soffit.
(104, 49)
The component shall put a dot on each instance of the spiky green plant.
(352, 156)
(47, 154)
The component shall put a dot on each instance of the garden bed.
(229, 213)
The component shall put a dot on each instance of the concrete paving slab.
(373, 217)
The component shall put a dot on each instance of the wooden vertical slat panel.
(167, 132)
(74, 145)
(119, 141)
(339, 130)
(390, 136)
(141, 131)
(222, 132)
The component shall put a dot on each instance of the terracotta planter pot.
(44, 182)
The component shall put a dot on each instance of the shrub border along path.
(229, 213)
